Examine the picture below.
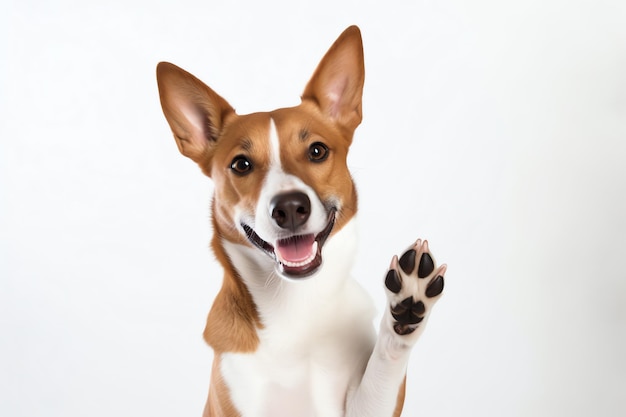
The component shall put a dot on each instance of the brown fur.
(218, 403)
(400, 402)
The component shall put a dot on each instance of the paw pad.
(435, 287)
(426, 265)
(407, 261)
(392, 282)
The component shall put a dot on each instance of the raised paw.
(415, 283)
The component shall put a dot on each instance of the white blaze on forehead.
(277, 182)
(274, 146)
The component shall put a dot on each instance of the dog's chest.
(259, 387)
(299, 371)
(314, 346)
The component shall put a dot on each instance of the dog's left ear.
(337, 84)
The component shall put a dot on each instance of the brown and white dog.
(292, 332)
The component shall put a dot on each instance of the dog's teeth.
(304, 262)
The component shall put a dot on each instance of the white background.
(496, 129)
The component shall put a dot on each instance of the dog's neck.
(290, 310)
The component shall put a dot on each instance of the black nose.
(290, 210)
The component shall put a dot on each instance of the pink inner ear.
(192, 132)
(196, 119)
(335, 94)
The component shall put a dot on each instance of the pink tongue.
(295, 249)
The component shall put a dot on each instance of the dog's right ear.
(337, 84)
(195, 113)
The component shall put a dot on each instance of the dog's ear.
(337, 84)
(195, 113)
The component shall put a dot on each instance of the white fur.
(274, 145)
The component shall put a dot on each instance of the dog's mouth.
(297, 256)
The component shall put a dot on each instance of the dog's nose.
(290, 210)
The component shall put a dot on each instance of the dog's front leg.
(414, 283)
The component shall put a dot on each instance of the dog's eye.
(318, 152)
(241, 165)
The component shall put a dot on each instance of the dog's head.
(281, 179)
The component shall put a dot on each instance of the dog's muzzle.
(297, 256)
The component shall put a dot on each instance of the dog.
(292, 332)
